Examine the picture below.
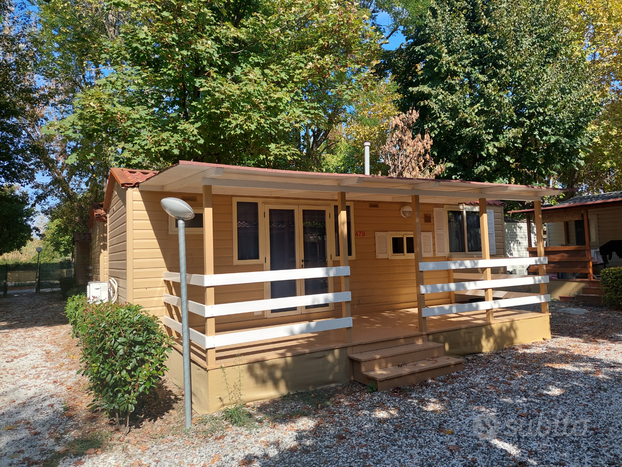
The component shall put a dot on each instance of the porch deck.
(397, 326)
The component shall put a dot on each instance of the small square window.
(195, 223)
(402, 245)
(193, 226)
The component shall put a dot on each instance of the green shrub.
(123, 353)
(74, 310)
(611, 281)
(66, 284)
(77, 290)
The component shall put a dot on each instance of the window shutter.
(439, 231)
(382, 244)
(426, 244)
(491, 232)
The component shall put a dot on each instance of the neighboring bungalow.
(299, 280)
(584, 235)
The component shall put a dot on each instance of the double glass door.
(297, 238)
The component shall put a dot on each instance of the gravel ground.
(556, 402)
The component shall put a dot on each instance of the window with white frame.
(193, 226)
(247, 232)
(401, 245)
(464, 232)
(395, 245)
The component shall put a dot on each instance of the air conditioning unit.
(97, 292)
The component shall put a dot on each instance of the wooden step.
(411, 373)
(394, 356)
(592, 290)
(590, 299)
(383, 343)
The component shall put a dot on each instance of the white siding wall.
(555, 234)
(516, 243)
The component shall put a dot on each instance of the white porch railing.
(264, 333)
(483, 284)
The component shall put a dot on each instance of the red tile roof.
(126, 178)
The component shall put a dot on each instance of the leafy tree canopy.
(502, 86)
(250, 83)
(367, 119)
(599, 24)
(15, 218)
(18, 97)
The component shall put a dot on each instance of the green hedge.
(123, 353)
(611, 281)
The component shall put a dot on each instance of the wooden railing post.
(483, 228)
(540, 246)
(421, 320)
(343, 248)
(208, 266)
(588, 241)
(450, 276)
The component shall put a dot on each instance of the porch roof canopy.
(190, 177)
(572, 209)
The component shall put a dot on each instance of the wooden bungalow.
(299, 280)
(583, 235)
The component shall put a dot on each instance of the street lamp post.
(38, 283)
(182, 211)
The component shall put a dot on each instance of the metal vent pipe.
(367, 144)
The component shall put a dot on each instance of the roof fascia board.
(356, 189)
(210, 172)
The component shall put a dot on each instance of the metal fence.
(23, 276)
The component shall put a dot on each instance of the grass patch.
(213, 425)
(78, 447)
(372, 387)
(238, 415)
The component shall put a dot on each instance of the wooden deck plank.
(368, 328)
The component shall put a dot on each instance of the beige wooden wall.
(149, 250)
(99, 251)
(156, 251)
(117, 241)
(379, 284)
(499, 231)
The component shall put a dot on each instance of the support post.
(421, 320)
(450, 276)
(566, 236)
(343, 249)
(529, 242)
(540, 248)
(483, 229)
(588, 241)
(208, 266)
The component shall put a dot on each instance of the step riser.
(590, 299)
(407, 380)
(388, 343)
(592, 290)
(396, 360)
